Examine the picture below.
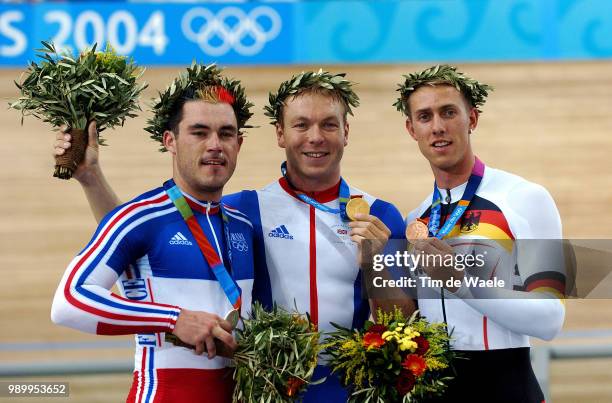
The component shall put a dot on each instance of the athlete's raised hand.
(89, 166)
(202, 330)
(370, 229)
(100, 195)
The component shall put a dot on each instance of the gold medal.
(357, 206)
(417, 230)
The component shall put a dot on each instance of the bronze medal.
(417, 230)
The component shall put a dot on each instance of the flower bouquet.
(276, 356)
(396, 360)
(72, 91)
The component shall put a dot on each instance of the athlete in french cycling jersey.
(183, 261)
(481, 210)
(147, 246)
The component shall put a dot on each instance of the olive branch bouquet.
(69, 90)
(276, 356)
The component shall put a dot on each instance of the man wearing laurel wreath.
(475, 209)
(172, 250)
(310, 225)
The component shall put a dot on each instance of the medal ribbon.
(343, 198)
(462, 205)
(229, 286)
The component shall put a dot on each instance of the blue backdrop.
(316, 32)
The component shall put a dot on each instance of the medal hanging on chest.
(347, 206)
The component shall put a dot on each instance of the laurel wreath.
(308, 80)
(474, 91)
(196, 76)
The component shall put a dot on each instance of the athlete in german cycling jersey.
(481, 210)
(183, 263)
(500, 213)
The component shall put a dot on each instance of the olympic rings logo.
(232, 36)
(240, 246)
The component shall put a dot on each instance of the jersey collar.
(456, 193)
(200, 206)
(324, 196)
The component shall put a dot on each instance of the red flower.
(405, 382)
(293, 385)
(373, 340)
(415, 363)
(423, 345)
(378, 328)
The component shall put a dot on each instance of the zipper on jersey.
(448, 196)
(212, 230)
(443, 214)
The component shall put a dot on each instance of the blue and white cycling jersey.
(305, 259)
(147, 248)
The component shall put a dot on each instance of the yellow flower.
(347, 345)
(407, 344)
(435, 364)
(411, 332)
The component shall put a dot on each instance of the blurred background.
(549, 120)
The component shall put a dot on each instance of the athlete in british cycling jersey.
(181, 259)
(306, 253)
(481, 210)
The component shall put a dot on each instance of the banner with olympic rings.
(314, 32)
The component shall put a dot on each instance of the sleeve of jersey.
(83, 299)
(391, 217)
(538, 311)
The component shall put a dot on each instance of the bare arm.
(101, 197)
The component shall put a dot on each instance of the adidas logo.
(280, 232)
(179, 239)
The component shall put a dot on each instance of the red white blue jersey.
(505, 211)
(305, 259)
(146, 247)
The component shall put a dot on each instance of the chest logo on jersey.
(280, 232)
(179, 239)
(470, 222)
(239, 242)
(343, 233)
